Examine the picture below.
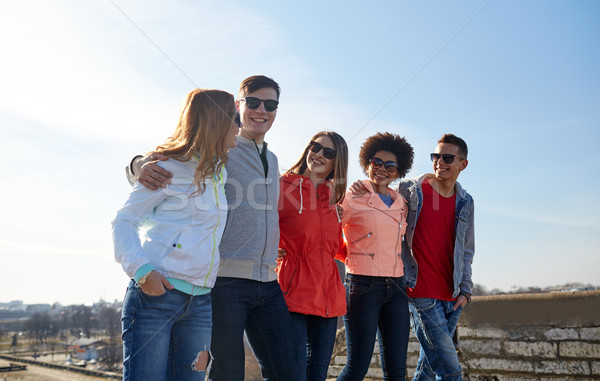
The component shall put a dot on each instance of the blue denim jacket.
(464, 245)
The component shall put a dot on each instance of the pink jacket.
(373, 234)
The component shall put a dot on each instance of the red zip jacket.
(311, 234)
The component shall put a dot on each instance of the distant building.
(35, 308)
(14, 305)
(86, 349)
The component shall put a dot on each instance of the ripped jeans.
(166, 337)
(434, 322)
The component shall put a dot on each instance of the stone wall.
(545, 337)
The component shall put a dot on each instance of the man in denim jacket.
(440, 234)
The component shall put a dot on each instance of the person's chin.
(262, 130)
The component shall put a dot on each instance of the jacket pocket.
(289, 284)
(368, 235)
(286, 277)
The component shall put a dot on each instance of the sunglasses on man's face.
(390, 166)
(253, 103)
(329, 153)
(447, 157)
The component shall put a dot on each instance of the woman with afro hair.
(374, 223)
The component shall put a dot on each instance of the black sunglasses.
(447, 157)
(390, 166)
(315, 147)
(253, 103)
(237, 120)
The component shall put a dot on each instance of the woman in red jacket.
(311, 235)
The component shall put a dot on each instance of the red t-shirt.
(433, 246)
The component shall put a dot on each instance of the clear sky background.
(84, 86)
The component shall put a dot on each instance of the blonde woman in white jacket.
(167, 311)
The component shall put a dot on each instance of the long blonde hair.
(339, 173)
(205, 121)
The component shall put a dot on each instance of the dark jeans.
(377, 306)
(259, 309)
(315, 339)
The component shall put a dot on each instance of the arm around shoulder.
(145, 170)
(132, 169)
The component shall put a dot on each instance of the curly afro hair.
(385, 141)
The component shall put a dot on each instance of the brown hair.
(453, 139)
(257, 82)
(205, 121)
(339, 173)
(387, 142)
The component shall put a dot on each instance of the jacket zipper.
(363, 237)
(359, 253)
(212, 255)
(262, 257)
(396, 248)
(322, 265)
(397, 238)
(369, 234)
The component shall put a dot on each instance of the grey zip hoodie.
(251, 238)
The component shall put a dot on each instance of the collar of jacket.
(374, 197)
(460, 191)
(305, 186)
(247, 141)
(294, 179)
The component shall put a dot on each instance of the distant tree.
(39, 327)
(574, 286)
(82, 319)
(109, 320)
(478, 290)
(14, 343)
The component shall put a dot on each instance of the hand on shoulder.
(151, 175)
(358, 188)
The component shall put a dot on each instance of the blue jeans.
(315, 339)
(164, 335)
(377, 306)
(434, 322)
(259, 309)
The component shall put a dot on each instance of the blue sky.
(85, 86)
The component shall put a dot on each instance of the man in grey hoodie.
(246, 295)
